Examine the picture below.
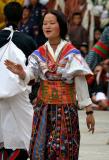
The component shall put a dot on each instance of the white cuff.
(84, 103)
(27, 78)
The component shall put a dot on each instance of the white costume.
(16, 112)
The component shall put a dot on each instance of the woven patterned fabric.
(101, 49)
(56, 92)
(55, 133)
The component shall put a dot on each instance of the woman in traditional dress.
(62, 71)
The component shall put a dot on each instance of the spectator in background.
(25, 25)
(37, 11)
(97, 34)
(2, 4)
(105, 64)
(77, 33)
(100, 51)
(89, 20)
(98, 88)
(23, 41)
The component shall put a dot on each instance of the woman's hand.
(15, 68)
(90, 120)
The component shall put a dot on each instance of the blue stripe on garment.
(74, 51)
(37, 53)
(38, 151)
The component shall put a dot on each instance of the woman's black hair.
(61, 20)
(13, 12)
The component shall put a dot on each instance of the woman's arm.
(82, 92)
(27, 73)
(85, 101)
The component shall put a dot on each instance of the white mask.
(44, 2)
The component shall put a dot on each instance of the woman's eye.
(52, 23)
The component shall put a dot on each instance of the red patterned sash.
(56, 92)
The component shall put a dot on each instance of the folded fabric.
(9, 82)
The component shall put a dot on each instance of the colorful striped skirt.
(55, 133)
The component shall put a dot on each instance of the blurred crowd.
(86, 26)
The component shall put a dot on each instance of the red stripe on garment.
(14, 154)
(42, 51)
(1, 155)
(99, 53)
(103, 45)
(66, 49)
(5, 155)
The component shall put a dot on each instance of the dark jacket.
(21, 40)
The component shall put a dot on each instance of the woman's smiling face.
(51, 27)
